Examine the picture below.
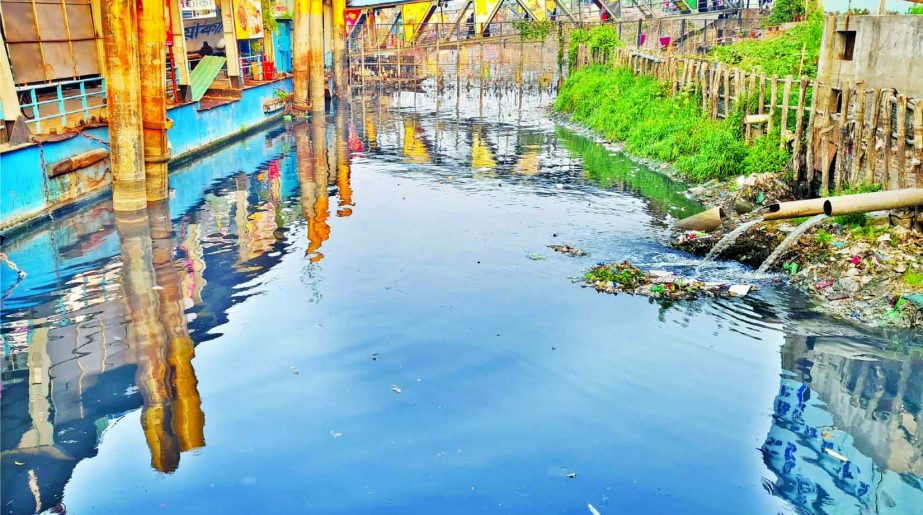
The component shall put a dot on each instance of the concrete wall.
(888, 52)
(22, 180)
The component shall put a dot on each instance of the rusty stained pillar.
(123, 91)
(301, 48)
(344, 206)
(339, 47)
(152, 28)
(316, 55)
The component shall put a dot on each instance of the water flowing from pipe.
(730, 238)
(789, 240)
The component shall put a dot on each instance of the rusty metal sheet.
(86, 61)
(50, 22)
(26, 59)
(80, 18)
(18, 22)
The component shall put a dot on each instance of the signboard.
(537, 8)
(413, 16)
(248, 19)
(352, 17)
(197, 5)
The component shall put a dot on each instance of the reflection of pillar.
(301, 49)
(240, 218)
(342, 162)
(339, 45)
(188, 420)
(152, 50)
(318, 230)
(146, 338)
(123, 92)
(42, 432)
(316, 55)
(230, 43)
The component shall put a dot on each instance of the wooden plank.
(203, 75)
(858, 133)
(773, 92)
(815, 92)
(841, 137)
(918, 141)
(890, 179)
(799, 126)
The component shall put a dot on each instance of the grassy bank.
(794, 52)
(654, 124)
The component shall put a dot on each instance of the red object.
(269, 69)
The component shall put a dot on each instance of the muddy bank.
(867, 269)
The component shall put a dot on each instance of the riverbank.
(859, 268)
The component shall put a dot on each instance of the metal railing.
(62, 99)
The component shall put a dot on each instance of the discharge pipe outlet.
(704, 221)
(865, 202)
(795, 209)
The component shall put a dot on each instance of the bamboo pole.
(903, 179)
(152, 48)
(773, 91)
(799, 126)
(841, 153)
(858, 132)
(786, 98)
(918, 141)
(810, 136)
(872, 145)
(123, 90)
(727, 93)
(890, 180)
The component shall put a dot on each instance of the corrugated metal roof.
(204, 74)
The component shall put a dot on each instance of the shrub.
(795, 52)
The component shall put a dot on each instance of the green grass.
(795, 52)
(823, 237)
(638, 111)
(913, 278)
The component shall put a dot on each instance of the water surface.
(240, 349)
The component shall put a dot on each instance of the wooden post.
(786, 97)
(903, 180)
(230, 43)
(890, 181)
(123, 89)
(841, 137)
(858, 132)
(799, 126)
(918, 141)
(727, 93)
(810, 150)
(773, 91)
(872, 146)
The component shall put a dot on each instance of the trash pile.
(744, 194)
(871, 274)
(660, 284)
(567, 249)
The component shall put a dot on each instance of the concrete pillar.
(152, 28)
(316, 55)
(123, 90)
(301, 48)
(179, 52)
(339, 46)
(230, 43)
(9, 101)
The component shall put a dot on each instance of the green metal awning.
(204, 74)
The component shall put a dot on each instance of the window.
(846, 43)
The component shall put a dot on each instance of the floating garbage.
(626, 278)
(567, 249)
(536, 257)
(395, 389)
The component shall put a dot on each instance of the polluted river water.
(360, 314)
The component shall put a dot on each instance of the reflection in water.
(847, 434)
(107, 322)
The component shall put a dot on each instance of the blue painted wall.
(22, 179)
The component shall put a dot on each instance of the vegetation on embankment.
(652, 123)
(794, 52)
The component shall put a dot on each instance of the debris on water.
(559, 186)
(374, 356)
(395, 389)
(294, 370)
(593, 510)
(835, 454)
(567, 249)
(336, 434)
(536, 257)
(571, 475)
(626, 278)
(739, 290)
